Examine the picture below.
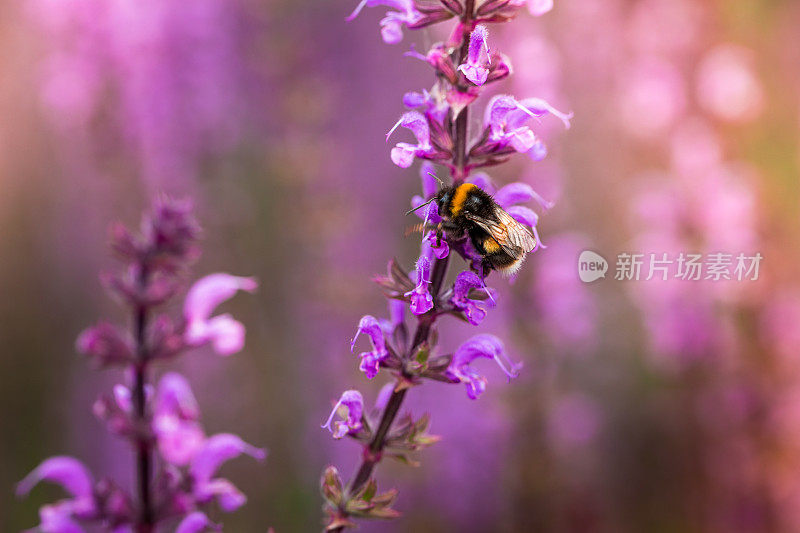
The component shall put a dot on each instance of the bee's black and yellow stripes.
(460, 196)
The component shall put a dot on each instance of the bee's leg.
(439, 234)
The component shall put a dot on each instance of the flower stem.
(372, 453)
(144, 522)
(462, 120)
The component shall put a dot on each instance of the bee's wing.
(512, 236)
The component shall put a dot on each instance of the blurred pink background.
(643, 406)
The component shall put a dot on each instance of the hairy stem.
(372, 452)
(144, 522)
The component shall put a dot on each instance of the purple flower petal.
(421, 300)
(440, 250)
(538, 8)
(178, 440)
(539, 151)
(225, 333)
(370, 326)
(418, 124)
(195, 523)
(478, 41)
(174, 396)
(465, 282)
(122, 395)
(430, 185)
(105, 343)
(522, 139)
(523, 214)
(58, 518)
(540, 107)
(228, 496)
(68, 472)
(392, 29)
(506, 118)
(218, 449)
(178, 434)
(370, 364)
(474, 68)
(474, 73)
(370, 361)
(482, 180)
(357, 10)
(209, 292)
(403, 154)
(497, 112)
(392, 23)
(414, 99)
(396, 313)
(383, 396)
(352, 403)
(429, 213)
(486, 346)
(514, 193)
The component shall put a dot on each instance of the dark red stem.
(144, 522)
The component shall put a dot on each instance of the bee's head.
(443, 198)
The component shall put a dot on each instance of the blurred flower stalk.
(439, 121)
(176, 462)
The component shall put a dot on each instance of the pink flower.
(182, 442)
(370, 361)
(474, 68)
(421, 300)
(216, 450)
(403, 153)
(483, 345)
(537, 8)
(350, 407)
(196, 522)
(506, 118)
(176, 420)
(652, 97)
(224, 333)
(727, 86)
(392, 24)
(465, 282)
(76, 479)
(105, 344)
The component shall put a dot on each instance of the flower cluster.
(176, 459)
(438, 119)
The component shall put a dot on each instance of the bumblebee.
(467, 209)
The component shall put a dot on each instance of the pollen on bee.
(490, 245)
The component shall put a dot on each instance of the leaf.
(339, 521)
(331, 486)
(384, 514)
(423, 353)
(406, 460)
(422, 423)
(370, 489)
(386, 499)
